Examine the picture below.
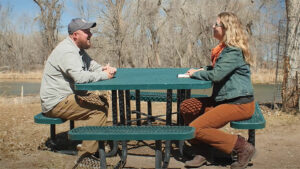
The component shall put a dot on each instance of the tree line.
(141, 33)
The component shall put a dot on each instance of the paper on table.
(183, 76)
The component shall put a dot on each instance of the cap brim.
(89, 25)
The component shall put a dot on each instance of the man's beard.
(84, 45)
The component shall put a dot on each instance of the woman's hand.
(192, 71)
(109, 73)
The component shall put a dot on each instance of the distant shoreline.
(17, 76)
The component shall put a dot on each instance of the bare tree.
(114, 27)
(49, 21)
(142, 33)
(152, 11)
(6, 44)
(152, 17)
(18, 50)
(179, 33)
(11, 44)
(290, 94)
(85, 9)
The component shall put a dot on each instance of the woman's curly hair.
(235, 34)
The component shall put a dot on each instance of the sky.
(31, 9)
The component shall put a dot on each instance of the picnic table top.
(146, 79)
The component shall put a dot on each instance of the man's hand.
(111, 71)
(192, 71)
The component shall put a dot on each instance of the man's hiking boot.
(87, 161)
(244, 151)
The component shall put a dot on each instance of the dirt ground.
(22, 142)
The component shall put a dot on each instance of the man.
(68, 64)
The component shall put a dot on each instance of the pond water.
(262, 92)
(14, 88)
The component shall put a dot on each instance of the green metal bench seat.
(42, 119)
(257, 121)
(150, 97)
(125, 133)
(158, 96)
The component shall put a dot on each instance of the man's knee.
(98, 118)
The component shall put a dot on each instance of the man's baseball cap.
(78, 24)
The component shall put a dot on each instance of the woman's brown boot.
(245, 152)
(197, 161)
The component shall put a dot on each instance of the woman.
(232, 98)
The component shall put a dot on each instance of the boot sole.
(193, 166)
(254, 155)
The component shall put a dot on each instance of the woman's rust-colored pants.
(207, 117)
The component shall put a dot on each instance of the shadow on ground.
(61, 144)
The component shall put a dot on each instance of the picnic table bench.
(125, 133)
(257, 121)
(42, 119)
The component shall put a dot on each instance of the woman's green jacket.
(230, 75)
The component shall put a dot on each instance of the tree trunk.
(290, 96)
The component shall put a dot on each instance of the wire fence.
(282, 26)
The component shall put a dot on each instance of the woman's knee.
(199, 129)
(190, 106)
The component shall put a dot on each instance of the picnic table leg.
(114, 107)
(149, 117)
(52, 131)
(187, 93)
(102, 155)
(181, 95)
(115, 122)
(51, 142)
(128, 109)
(121, 107)
(158, 155)
(167, 154)
(124, 154)
(181, 98)
(178, 107)
(169, 107)
(251, 136)
(71, 124)
(138, 106)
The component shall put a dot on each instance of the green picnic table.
(138, 79)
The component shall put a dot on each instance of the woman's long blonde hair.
(235, 35)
